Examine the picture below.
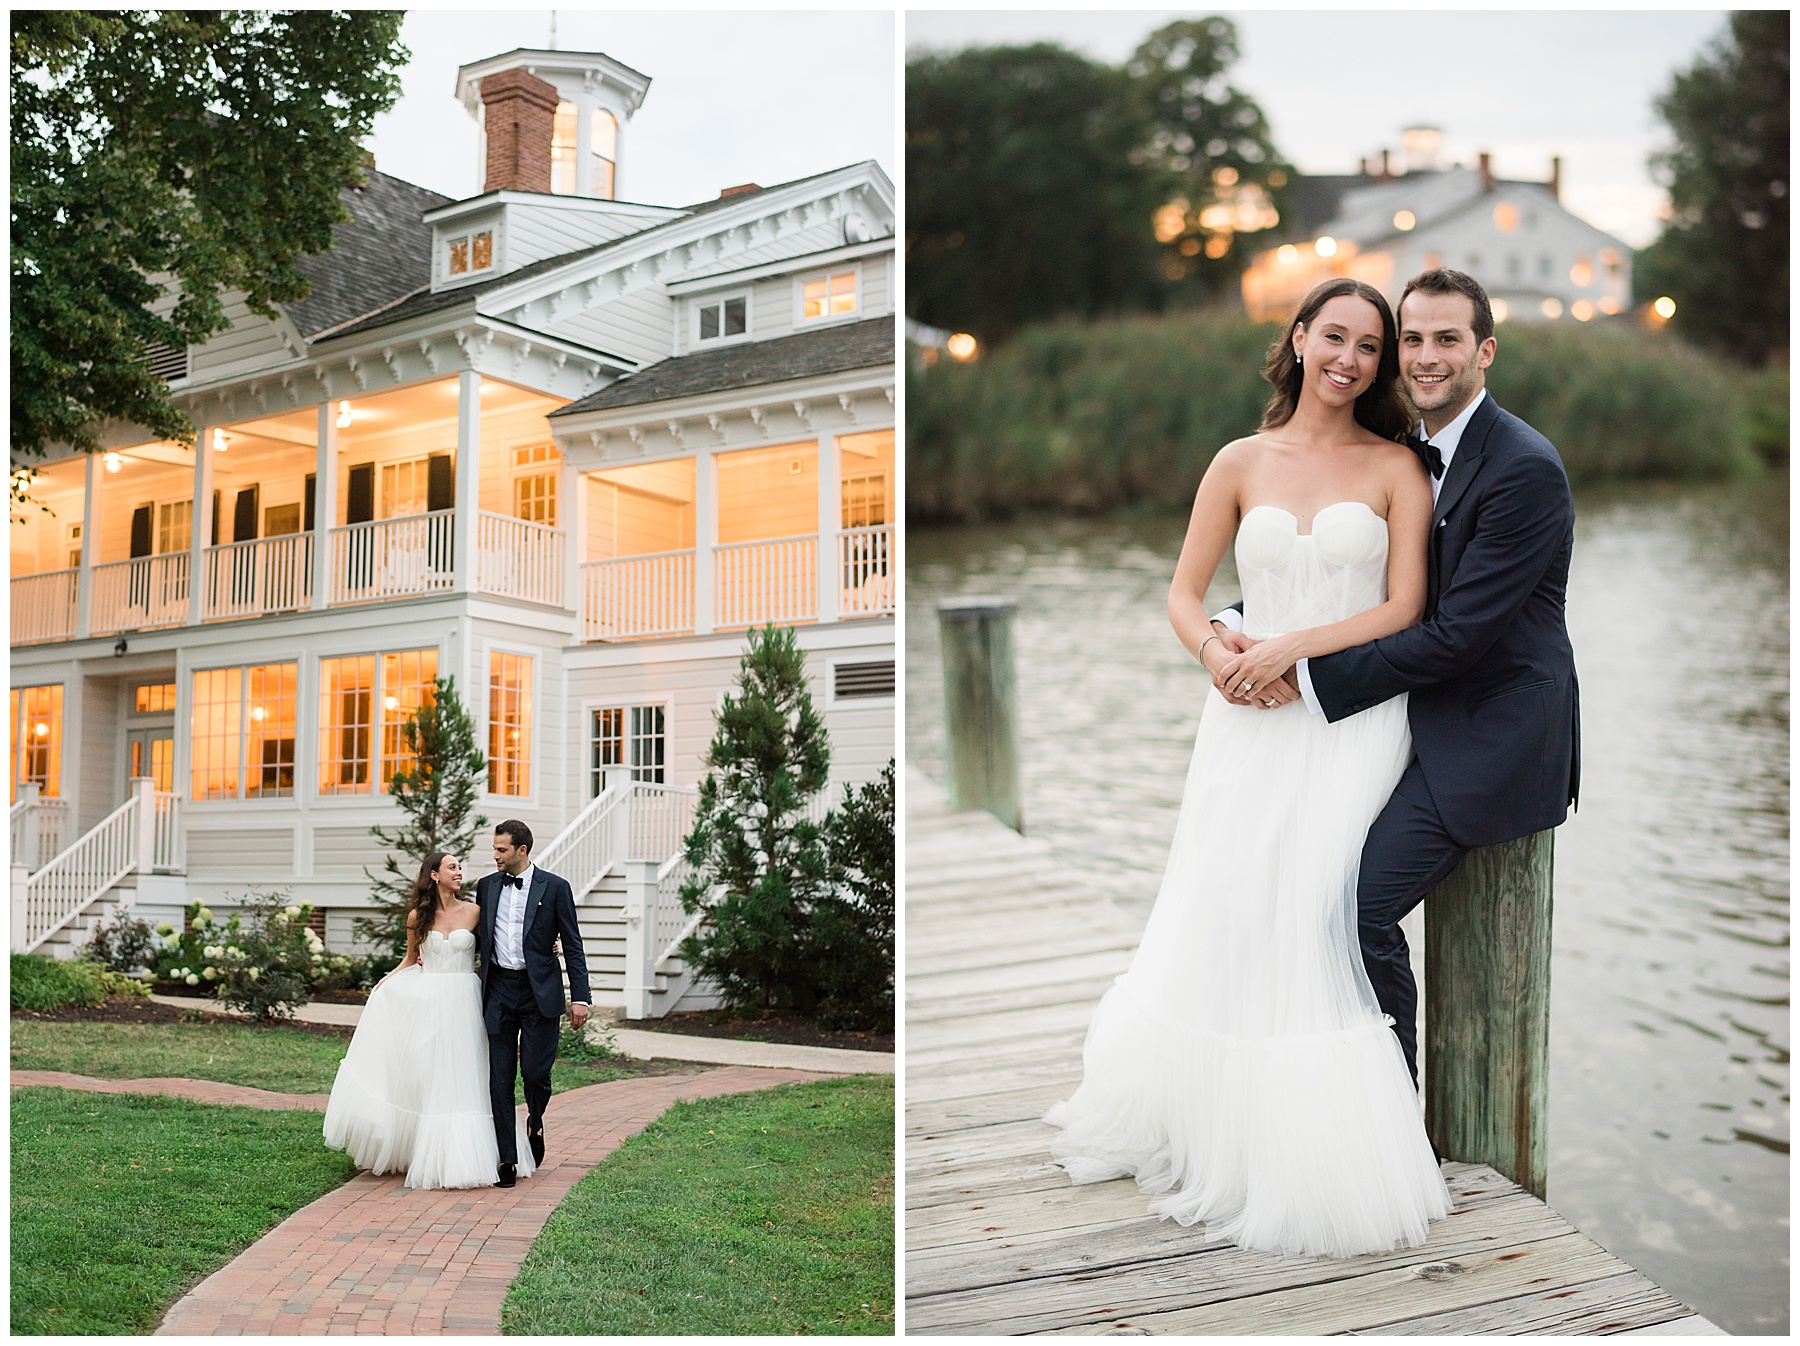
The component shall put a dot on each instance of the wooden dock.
(1007, 952)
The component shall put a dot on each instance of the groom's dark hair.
(1442, 280)
(516, 832)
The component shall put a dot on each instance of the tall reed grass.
(1084, 417)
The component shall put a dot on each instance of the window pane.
(459, 256)
(271, 731)
(709, 322)
(346, 707)
(38, 732)
(647, 743)
(404, 488)
(734, 317)
(608, 745)
(509, 724)
(562, 150)
(153, 697)
(605, 134)
(534, 498)
(407, 684)
(481, 254)
(843, 292)
(814, 295)
(600, 178)
(174, 531)
(215, 737)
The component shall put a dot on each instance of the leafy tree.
(437, 796)
(853, 927)
(155, 151)
(751, 846)
(1041, 184)
(1723, 258)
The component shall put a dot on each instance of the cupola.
(551, 121)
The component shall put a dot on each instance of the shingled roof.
(857, 345)
(381, 255)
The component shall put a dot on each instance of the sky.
(1521, 85)
(735, 96)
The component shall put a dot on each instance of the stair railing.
(121, 843)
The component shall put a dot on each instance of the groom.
(1493, 709)
(523, 911)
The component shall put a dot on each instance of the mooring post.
(981, 710)
(1487, 1009)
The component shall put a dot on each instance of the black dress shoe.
(534, 1137)
(509, 1176)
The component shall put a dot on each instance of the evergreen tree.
(853, 927)
(437, 795)
(759, 865)
(1723, 258)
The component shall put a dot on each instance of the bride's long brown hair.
(1380, 408)
(422, 910)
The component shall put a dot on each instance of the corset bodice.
(1293, 580)
(454, 952)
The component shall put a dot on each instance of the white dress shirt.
(509, 920)
(1446, 441)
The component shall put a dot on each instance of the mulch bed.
(790, 1029)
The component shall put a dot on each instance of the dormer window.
(472, 252)
(721, 318)
(829, 296)
(562, 150)
(604, 154)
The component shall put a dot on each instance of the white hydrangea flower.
(210, 973)
(191, 979)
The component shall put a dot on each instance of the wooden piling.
(1487, 1010)
(981, 712)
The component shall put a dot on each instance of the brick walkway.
(373, 1257)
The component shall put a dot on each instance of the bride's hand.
(1218, 655)
(1249, 674)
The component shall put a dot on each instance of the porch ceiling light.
(256, 712)
(344, 416)
(221, 441)
(1326, 246)
(113, 462)
(392, 703)
(43, 729)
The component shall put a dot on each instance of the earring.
(1299, 359)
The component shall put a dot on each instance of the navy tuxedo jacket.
(1493, 707)
(549, 912)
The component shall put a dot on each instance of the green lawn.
(286, 1060)
(760, 1213)
(120, 1204)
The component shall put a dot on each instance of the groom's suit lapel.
(1468, 458)
(532, 898)
(490, 911)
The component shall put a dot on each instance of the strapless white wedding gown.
(412, 1091)
(1242, 1068)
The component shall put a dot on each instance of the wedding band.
(1269, 701)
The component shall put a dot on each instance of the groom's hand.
(578, 1016)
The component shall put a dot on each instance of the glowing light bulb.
(43, 729)
(1326, 246)
(1665, 307)
(113, 462)
(1551, 308)
(343, 420)
(1404, 220)
(221, 441)
(256, 712)
(1287, 252)
(392, 703)
(961, 346)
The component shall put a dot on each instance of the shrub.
(261, 961)
(122, 944)
(593, 1042)
(1084, 417)
(853, 925)
(43, 983)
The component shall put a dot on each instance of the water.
(1669, 1004)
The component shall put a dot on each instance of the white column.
(325, 510)
(201, 514)
(584, 143)
(143, 793)
(706, 537)
(830, 516)
(90, 518)
(468, 476)
(574, 521)
(640, 934)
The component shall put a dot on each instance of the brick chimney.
(1556, 176)
(739, 190)
(519, 112)
(1487, 172)
(1387, 172)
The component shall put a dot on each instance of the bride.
(1241, 1068)
(412, 1091)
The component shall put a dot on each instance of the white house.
(564, 446)
(1538, 261)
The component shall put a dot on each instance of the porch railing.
(169, 848)
(56, 893)
(661, 817)
(250, 579)
(865, 571)
(518, 559)
(636, 596)
(44, 606)
(393, 558)
(39, 827)
(137, 595)
(773, 581)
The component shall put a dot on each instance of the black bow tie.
(1428, 454)
(512, 880)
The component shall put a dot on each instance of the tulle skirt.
(1242, 1069)
(412, 1092)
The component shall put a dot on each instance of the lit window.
(562, 150)
(1610, 259)
(408, 683)
(153, 698)
(509, 723)
(1582, 273)
(829, 295)
(269, 730)
(472, 252)
(629, 736)
(865, 500)
(534, 492)
(405, 488)
(37, 739)
(346, 720)
(603, 154)
(1506, 217)
(174, 526)
(216, 731)
(725, 318)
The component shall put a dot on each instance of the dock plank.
(1008, 951)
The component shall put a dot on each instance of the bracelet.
(1200, 654)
